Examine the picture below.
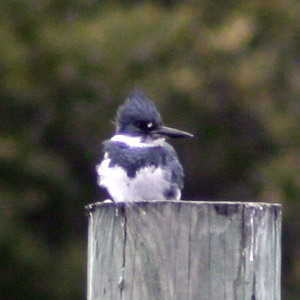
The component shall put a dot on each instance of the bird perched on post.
(138, 163)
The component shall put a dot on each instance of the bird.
(138, 163)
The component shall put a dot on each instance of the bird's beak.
(172, 132)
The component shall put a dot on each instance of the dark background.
(228, 71)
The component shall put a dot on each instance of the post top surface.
(91, 207)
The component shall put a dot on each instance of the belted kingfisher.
(138, 163)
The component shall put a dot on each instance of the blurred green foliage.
(227, 71)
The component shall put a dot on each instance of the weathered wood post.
(180, 250)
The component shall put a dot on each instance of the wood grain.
(168, 250)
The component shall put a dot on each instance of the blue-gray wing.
(176, 173)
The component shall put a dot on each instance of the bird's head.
(138, 116)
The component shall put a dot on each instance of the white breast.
(150, 183)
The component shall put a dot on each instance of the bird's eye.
(145, 125)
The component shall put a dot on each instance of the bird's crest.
(137, 107)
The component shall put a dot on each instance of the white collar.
(137, 141)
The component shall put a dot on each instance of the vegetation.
(226, 71)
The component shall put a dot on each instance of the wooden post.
(181, 250)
